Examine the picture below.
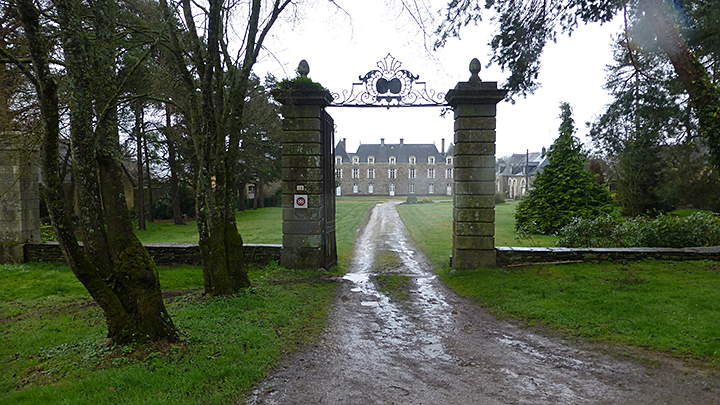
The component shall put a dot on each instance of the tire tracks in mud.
(437, 348)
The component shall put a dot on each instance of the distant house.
(394, 169)
(513, 174)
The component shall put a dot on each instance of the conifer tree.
(565, 189)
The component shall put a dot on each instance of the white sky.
(339, 48)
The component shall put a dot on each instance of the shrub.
(499, 198)
(698, 229)
(411, 199)
(426, 200)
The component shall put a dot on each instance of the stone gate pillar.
(474, 104)
(308, 207)
(19, 198)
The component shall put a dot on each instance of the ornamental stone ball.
(475, 69)
(303, 68)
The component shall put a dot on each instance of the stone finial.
(303, 68)
(474, 69)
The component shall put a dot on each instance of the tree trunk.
(115, 268)
(172, 162)
(151, 205)
(260, 194)
(140, 203)
(704, 96)
(241, 194)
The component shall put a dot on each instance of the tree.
(685, 32)
(214, 88)
(112, 264)
(565, 189)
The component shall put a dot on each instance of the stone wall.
(165, 254)
(508, 256)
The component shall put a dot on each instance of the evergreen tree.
(565, 189)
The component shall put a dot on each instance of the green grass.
(665, 306)
(394, 286)
(53, 348)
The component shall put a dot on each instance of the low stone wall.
(165, 254)
(519, 255)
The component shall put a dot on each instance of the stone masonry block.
(301, 111)
(302, 241)
(473, 229)
(473, 242)
(301, 161)
(474, 161)
(474, 174)
(474, 123)
(311, 187)
(301, 228)
(301, 124)
(314, 201)
(474, 148)
(475, 110)
(475, 187)
(289, 149)
(290, 137)
(473, 259)
(308, 214)
(474, 215)
(301, 174)
(475, 135)
(302, 258)
(473, 201)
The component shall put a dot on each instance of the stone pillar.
(19, 198)
(303, 178)
(474, 104)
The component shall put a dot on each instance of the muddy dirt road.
(436, 348)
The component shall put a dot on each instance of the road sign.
(301, 201)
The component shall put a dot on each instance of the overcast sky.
(341, 46)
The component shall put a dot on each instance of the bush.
(411, 200)
(499, 198)
(426, 200)
(698, 229)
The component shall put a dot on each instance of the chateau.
(394, 169)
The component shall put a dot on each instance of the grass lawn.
(666, 306)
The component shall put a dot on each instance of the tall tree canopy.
(565, 189)
(686, 32)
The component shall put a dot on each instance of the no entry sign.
(301, 201)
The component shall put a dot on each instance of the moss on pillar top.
(302, 90)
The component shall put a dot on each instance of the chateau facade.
(394, 169)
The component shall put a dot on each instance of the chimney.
(401, 141)
(344, 139)
(442, 145)
(543, 152)
(382, 141)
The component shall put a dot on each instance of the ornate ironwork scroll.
(388, 86)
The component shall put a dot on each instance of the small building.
(400, 169)
(514, 175)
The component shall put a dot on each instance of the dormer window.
(338, 160)
(413, 160)
(448, 160)
(393, 160)
(371, 160)
(431, 160)
(356, 160)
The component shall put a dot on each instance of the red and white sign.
(301, 201)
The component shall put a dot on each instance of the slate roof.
(515, 164)
(402, 152)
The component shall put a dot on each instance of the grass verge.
(53, 348)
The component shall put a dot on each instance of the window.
(338, 160)
(356, 160)
(338, 173)
(431, 173)
(412, 188)
(431, 188)
(371, 160)
(392, 160)
(413, 160)
(411, 173)
(431, 160)
(356, 173)
(371, 173)
(391, 173)
(448, 160)
(355, 188)
(448, 173)
(371, 188)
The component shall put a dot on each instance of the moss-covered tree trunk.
(114, 267)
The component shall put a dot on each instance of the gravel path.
(437, 348)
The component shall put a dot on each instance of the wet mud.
(436, 348)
